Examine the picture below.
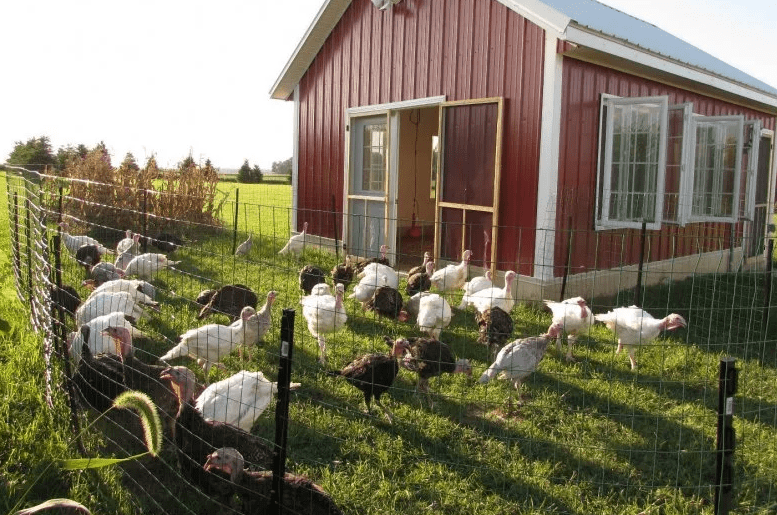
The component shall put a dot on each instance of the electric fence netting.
(143, 285)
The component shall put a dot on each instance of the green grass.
(591, 437)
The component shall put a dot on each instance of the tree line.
(37, 154)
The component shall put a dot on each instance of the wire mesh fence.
(585, 432)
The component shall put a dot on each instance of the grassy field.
(591, 437)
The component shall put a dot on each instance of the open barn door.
(368, 211)
(467, 188)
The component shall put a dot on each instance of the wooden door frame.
(494, 209)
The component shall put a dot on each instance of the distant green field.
(264, 208)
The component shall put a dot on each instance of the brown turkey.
(309, 276)
(65, 297)
(373, 374)
(343, 272)
(88, 256)
(429, 358)
(195, 437)
(495, 327)
(422, 267)
(253, 489)
(420, 281)
(387, 302)
(229, 300)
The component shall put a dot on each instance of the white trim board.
(547, 182)
(395, 106)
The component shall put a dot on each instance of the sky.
(176, 78)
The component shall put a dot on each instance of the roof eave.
(307, 49)
(666, 69)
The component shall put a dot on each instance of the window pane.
(634, 158)
(373, 157)
(715, 169)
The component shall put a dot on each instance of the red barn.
(553, 128)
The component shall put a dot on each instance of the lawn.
(590, 437)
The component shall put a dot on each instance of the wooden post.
(282, 411)
(768, 282)
(638, 288)
(724, 466)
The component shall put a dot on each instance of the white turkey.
(518, 359)
(495, 297)
(452, 277)
(239, 399)
(575, 317)
(325, 314)
(296, 243)
(128, 285)
(91, 333)
(367, 286)
(434, 314)
(634, 326)
(264, 322)
(378, 268)
(475, 285)
(245, 247)
(73, 243)
(110, 301)
(146, 266)
(481, 282)
(321, 289)
(625, 313)
(209, 343)
(129, 244)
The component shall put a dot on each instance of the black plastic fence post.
(282, 411)
(234, 225)
(724, 467)
(768, 282)
(638, 288)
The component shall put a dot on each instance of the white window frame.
(752, 166)
(604, 170)
(697, 120)
(683, 207)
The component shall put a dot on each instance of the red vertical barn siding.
(462, 49)
(583, 84)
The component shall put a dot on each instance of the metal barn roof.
(612, 22)
(580, 22)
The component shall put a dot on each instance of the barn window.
(632, 162)
(717, 168)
